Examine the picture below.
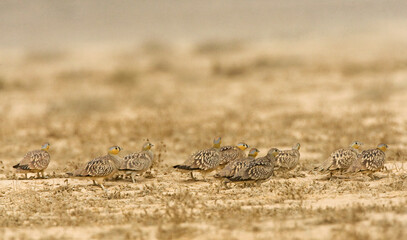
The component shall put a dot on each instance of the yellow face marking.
(242, 147)
(217, 142)
(383, 148)
(297, 146)
(147, 146)
(114, 151)
(355, 146)
(253, 153)
(45, 147)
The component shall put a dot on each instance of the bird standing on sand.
(370, 161)
(258, 170)
(341, 159)
(232, 153)
(288, 159)
(203, 161)
(35, 161)
(233, 167)
(139, 162)
(100, 168)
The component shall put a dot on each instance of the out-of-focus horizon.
(86, 75)
(61, 24)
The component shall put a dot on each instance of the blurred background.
(48, 24)
(85, 75)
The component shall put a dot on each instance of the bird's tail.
(16, 166)
(184, 167)
(324, 166)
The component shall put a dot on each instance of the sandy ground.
(321, 94)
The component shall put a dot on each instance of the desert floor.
(321, 94)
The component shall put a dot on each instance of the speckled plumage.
(229, 154)
(203, 161)
(258, 170)
(33, 162)
(340, 160)
(100, 168)
(371, 160)
(287, 159)
(233, 167)
(137, 163)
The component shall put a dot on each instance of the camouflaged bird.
(258, 170)
(288, 159)
(371, 160)
(232, 153)
(341, 159)
(233, 167)
(139, 162)
(100, 168)
(203, 161)
(35, 161)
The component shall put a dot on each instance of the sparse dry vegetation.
(180, 100)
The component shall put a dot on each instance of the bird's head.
(382, 147)
(45, 146)
(297, 146)
(273, 152)
(216, 142)
(147, 146)
(253, 152)
(114, 150)
(356, 144)
(242, 146)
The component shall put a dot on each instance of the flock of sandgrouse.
(230, 162)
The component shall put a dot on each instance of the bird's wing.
(34, 160)
(136, 161)
(229, 154)
(98, 167)
(373, 159)
(205, 159)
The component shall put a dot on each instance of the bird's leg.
(38, 174)
(94, 183)
(132, 177)
(192, 176)
(100, 183)
(25, 174)
(104, 189)
(225, 183)
(370, 174)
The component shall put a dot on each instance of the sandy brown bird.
(233, 167)
(139, 162)
(232, 153)
(258, 170)
(288, 159)
(35, 161)
(341, 159)
(370, 161)
(100, 168)
(203, 161)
